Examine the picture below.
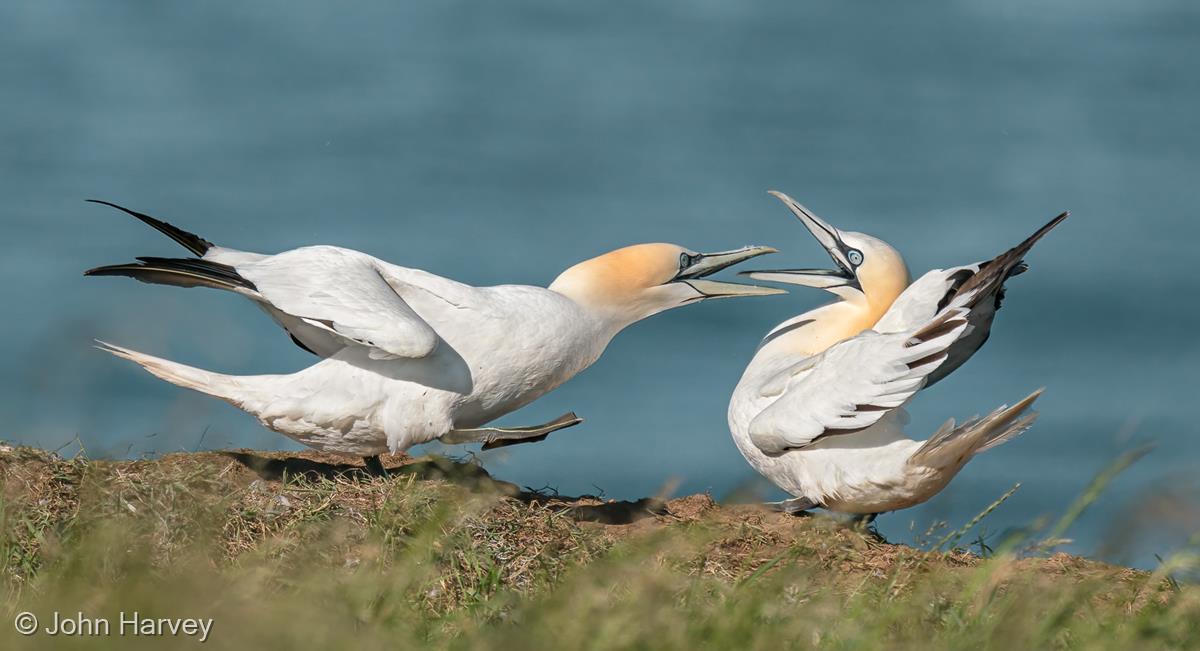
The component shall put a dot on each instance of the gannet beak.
(819, 278)
(828, 237)
(706, 264)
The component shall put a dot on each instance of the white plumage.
(850, 385)
(819, 410)
(409, 356)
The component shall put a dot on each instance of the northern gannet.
(819, 410)
(409, 356)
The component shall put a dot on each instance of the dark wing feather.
(190, 241)
(992, 274)
(181, 272)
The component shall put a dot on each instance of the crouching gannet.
(819, 410)
(409, 356)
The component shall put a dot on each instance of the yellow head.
(869, 270)
(635, 282)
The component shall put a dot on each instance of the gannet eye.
(685, 261)
(854, 256)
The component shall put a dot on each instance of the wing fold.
(853, 384)
(343, 293)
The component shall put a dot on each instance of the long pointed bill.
(707, 264)
(819, 278)
(716, 289)
(827, 236)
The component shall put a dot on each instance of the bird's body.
(409, 356)
(499, 349)
(862, 470)
(819, 409)
(869, 474)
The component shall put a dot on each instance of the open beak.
(706, 264)
(828, 237)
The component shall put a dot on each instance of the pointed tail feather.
(214, 384)
(951, 445)
(190, 241)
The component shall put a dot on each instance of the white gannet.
(819, 410)
(409, 356)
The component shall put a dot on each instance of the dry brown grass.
(450, 549)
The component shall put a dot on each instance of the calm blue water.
(503, 142)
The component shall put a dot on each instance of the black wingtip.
(181, 272)
(1040, 233)
(1055, 222)
(193, 243)
(1006, 265)
(123, 209)
(115, 270)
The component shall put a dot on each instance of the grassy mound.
(304, 551)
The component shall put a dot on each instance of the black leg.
(375, 466)
(865, 524)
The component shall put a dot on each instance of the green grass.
(441, 556)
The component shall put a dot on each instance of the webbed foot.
(794, 506)
(498, 437)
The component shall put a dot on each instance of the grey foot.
(498, 437)
(793, 506)
(375, 466)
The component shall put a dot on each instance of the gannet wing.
(349, 296)
(924, 298)
(933, 292)
(344, 293)
(852, 384)
(977, 287)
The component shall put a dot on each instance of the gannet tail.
(226, 387)
(953, 446)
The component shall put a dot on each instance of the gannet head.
(635, 282)
(868, 269)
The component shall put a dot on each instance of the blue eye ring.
(855, 257)
(685, 261)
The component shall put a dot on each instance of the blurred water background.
(502, 142)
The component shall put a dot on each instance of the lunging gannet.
(819, 410)
(408, 356)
